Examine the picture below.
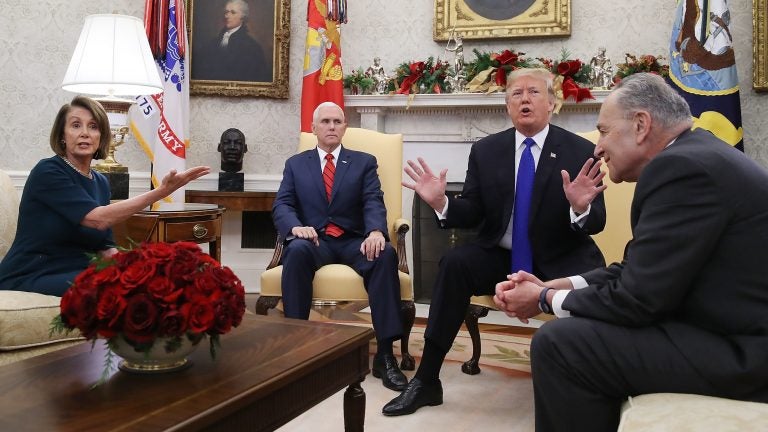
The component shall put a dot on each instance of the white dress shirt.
(539, 138)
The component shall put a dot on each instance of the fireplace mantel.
(374, 110)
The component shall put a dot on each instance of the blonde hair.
(539, 73)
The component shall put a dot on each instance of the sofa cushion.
(671, 412)
(25, 320)
(332, 282)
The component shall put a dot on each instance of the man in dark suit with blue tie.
(518, 190)
(331, 212)
(686, 311)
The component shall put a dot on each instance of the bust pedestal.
(118, 184)
(231, 182)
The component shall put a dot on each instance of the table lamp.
(112, 59)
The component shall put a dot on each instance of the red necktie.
(328, 173)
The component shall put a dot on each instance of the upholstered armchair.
(336, 282)
(611, 242)
(25, 317)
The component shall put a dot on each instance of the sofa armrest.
(673, 412)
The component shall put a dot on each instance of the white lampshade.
(112, 57)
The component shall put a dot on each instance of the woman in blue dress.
(65, 211)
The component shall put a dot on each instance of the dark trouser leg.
(54, 284)
(583, 370)
(465, 271)
(301, 259)
(383, 285)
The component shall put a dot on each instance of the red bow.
(506, 57)
(570, 88)
(568, 68)
(417, 71)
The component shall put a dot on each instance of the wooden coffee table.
(268, 371)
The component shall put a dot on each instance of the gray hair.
(539, 73)
(316, 113)
(649, 92)
(243, 7)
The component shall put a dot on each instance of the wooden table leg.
(214, 249)
(354, 408)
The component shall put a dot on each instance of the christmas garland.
(487, 73)
(645, 63)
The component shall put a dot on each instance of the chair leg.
(265, 303)
(408, 310)
(474, 312)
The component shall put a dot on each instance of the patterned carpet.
(499, 350)
(499, 398)
(503, 346)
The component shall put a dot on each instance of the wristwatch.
(543, 305)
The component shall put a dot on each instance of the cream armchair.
(24, 317)
(336, 282)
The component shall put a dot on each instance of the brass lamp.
(112, 58)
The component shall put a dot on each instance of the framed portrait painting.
(760, 45)
(492, 19)
(239, 47)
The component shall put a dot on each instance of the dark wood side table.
(234, 201)
(171, 222)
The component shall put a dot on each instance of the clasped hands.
(371, 247)
(518, 296)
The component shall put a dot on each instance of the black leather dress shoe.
(416, 395)
(385, 367)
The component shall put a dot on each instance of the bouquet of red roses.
(157, 290)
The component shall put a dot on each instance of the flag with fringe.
(702, 67)
(160, 122)
(322, 58)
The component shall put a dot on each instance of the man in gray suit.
(686, 311)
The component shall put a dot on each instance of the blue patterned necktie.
(522, 256)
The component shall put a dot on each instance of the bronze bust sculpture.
(232, 147)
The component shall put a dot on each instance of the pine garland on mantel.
(486, 74)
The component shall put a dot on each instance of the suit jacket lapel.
(342, 167)
(547, 163)
(507, 159)
(313, 168)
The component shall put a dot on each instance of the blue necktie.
(522, 256)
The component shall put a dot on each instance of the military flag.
(322, 58)
(702, 67)
(161, 122)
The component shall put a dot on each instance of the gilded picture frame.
(760, 45)
(501, 19)
(255, 59)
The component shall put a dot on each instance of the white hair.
(316, 113)
(649, 92)
(243, 7)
